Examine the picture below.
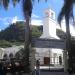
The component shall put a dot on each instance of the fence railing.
(45, 61)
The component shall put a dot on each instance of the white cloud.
(6, 21)
(72, 30)
(0, 29)
(34, 16)
(63, 27)
(36, 22)
(33, 21)
(14, 19)
(9, 20)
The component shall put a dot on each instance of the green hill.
(15, 32)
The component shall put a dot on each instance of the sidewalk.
(44, 72)
(52, 67)
(55, 73)
(56, 67)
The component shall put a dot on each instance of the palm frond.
(6, 4)
(66, 11)
(61, 15)
(41, 0)
(46, 0)
(27, 6)
(15, 1)
(0, 3)
(38, 0)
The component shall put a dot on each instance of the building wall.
(8, 51)
(53, 54)
(52, 28)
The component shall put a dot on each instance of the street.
(53, 73)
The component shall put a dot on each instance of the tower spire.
(49, 27)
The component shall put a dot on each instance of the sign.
(48, 43)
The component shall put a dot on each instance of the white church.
(51, 55)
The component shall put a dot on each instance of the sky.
(14, 14)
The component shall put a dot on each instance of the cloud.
(0, 29)
(35, 16)
(9, 20)
(6, 21)
(72, 30)
(33, 21)
(36, 22)
(14, 19)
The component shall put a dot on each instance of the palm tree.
(5, 3)
(67, 12)
(27, 9)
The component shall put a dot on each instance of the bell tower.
(49, 24)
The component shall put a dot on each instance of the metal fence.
(45, 61)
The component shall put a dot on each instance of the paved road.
(49, 73)
(53, 73)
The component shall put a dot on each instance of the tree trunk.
(27, 42)
(68, 44)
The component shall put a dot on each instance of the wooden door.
(46, 60)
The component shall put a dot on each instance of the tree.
(5, 3)
(27, 9)
(67, 12)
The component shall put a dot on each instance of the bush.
(5, 44)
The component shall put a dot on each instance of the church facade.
(50, 55)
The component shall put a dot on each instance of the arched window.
(5, 56)
(11, 55)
